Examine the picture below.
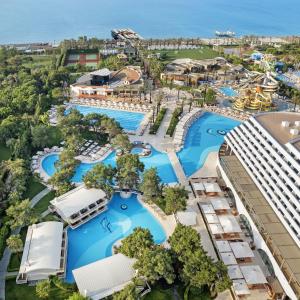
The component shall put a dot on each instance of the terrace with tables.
(250, 276)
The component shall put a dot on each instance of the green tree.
(100, 177)
(154, 264)
(128, 169)
(175, 199)
(134, 244)
(15, 243)
(128, 293)
(111, 127)
(43, 289)
(77, 296)
(121, 141)
(41, 136)
(21, 214)
(150, 185)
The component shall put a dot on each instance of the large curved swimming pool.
(127, 119)
(156, 159)
(204, 136)
(94, 240)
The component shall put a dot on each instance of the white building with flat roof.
(44, 252)
(79, 205)
(260, 164)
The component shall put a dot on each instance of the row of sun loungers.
(229, 112)
(112, 104)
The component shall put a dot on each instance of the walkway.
(177, 167)
(7, 253)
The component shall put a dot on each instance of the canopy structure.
(234, 272)
(208, 209)
(240, 287)
(212, 187)
(220, 203)
(42, 254)
(216, 228)
(198, 186)
(212, 218)
(253, 274)
(228, 258)
(223, 246)
(104, 277)
(229, 224)
(188, 218)
(241, 249)
(101, 72)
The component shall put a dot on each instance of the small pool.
(137, 150)
(156, 159)
(228, 91)
(204, 136)
(94, 240)
(128, 120)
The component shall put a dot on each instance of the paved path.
(7, 253)
(177, 167)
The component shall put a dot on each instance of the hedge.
(154, 128)
(174, 120)
(4, 233)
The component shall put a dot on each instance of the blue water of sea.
(55, 20)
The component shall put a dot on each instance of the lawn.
(159, 294)
(33, 187)
(4, 152)
(15, 291)
(38, 61)
(43, 204)
(202, 53)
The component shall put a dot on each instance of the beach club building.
(79, 205)
(260, 163)
(44, 252)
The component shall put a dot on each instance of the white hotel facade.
(260, 163)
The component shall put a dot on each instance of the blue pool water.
(228, 91)
(93, 241)
(156, 159)
(128, 120)
(205, 135)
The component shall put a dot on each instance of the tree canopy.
(150, 185)
(175, 199)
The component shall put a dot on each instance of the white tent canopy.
(104, 277)
(220, 204)
(253, 274)
(241, 249)
(228, 258)
(234, 272)
(216, 228)
(229, 224)
(223, 246)
(198, 186)
(212, 187)
(212, 218)
(208, 209)
(240, 287)
(188, 218)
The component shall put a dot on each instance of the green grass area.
(159, 294)
(4, 152)
(43, 204)
(201, 53)
(33, 187)
(15, 291)
(14, 263)
(38, 61)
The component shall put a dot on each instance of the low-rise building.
(44, 252)
(79, 205)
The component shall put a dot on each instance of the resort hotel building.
(104, 83)
(44, 252)
(260, 163)
(79, 205)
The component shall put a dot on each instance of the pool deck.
(177, 167)
(209, 169)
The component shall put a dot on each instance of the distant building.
(104, 83)
(79, 205)
(260, 163)
(44, 252)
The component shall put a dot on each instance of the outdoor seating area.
(121, 105)
(183, 125)
(53, 115)
(229, 112)
(206, 187)
(91, 151)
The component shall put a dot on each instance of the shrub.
(174, 120)
(4, 233)
(160, 116)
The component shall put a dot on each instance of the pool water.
(228, 91)
(128, 120)
(156, 159)
(94, 240)
(205, 135)
(137, 150)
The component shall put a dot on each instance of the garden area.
(4, 152)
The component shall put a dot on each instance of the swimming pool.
(205, 135)
(228, 91)
(156, 159)
(94, 240)
(128, 120)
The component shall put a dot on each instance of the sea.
(54, 20)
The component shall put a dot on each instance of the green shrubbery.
(4, 233)
(174, 120)
(154, 128)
